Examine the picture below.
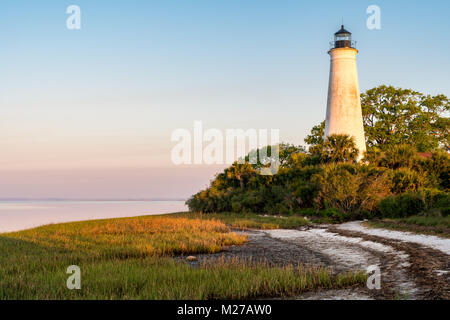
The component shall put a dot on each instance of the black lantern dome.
(342, 39)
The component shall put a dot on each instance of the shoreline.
(409, 269)
(21, 216)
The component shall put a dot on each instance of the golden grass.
(250, 220)
(135, 237)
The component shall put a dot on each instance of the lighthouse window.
(346, 37)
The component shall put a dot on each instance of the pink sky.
(142, 183)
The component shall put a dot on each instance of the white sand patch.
(434, 242)
(351, 253)
(441, 272)
(348, 252)
(342, 294)
(323, 235)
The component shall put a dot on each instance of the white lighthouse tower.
(344, 114)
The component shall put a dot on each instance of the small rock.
(191, 258)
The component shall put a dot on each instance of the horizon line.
(92, 199)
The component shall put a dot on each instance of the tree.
(240, 172)
(395, 116)
(316, 136)
(339, 148)
(285, 152)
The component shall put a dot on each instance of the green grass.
(132, 258)
(435, 225)
(251, 220)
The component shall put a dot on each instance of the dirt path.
(412, 266)
(429, 259)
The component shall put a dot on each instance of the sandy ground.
(412, 266)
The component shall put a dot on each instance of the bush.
(351, 188)
(308, 212)
(406, 180)
(445, 212)
(305, 193)
(399, 156)
(403, 205)
(435, 198)
(338, 188)
(334, 214)
(438, 167)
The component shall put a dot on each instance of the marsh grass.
(251, 220)
(135, 237)
(131, 259)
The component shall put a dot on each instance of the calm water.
(22, 215)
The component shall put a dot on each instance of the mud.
(261, 247)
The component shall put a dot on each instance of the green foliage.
(339, 148)
(414, 203)
(394, 116)
(354, 190)
(399, 156)
(400, 125)
(317, 134)
(406, 180)
(437, 167)
(403, 205)
(335, 148)
(435, 198)
(334, 214)
(445, 212)
(306, 192)
(351, 188)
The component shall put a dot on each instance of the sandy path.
(434, 242)
(347, 253)
(428, 265)
(412, 266)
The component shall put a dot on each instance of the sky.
(89, 113)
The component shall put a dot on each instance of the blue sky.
(137, 70)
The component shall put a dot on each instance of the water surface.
(20, 215)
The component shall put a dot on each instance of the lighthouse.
(344, 115)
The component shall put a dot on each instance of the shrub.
(308, 212)
(435, 198)
(305, 192)
(334, 214)
(445, 212)
(403, 205)
(406, 180)
(351, 188)
(437, 166)
(399, 156)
